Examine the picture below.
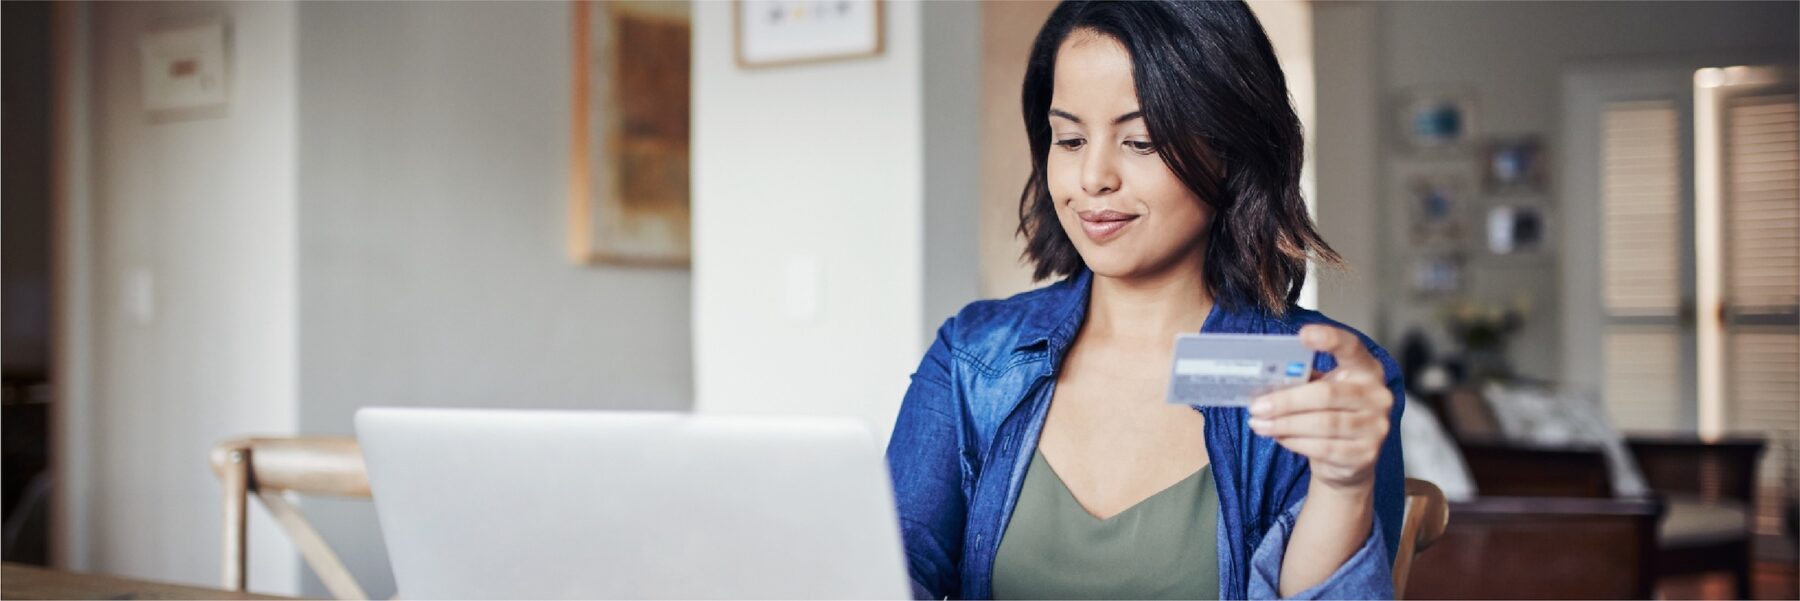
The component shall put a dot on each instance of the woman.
(1034, 455)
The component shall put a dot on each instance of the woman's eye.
(1140, 147)
(1071, 143)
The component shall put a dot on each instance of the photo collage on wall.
(1471, 198)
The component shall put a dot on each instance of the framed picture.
(1517, 230)
(1514, 164)
(785, 32)
(1437, 274)
(1437, 209)
(1437, 120)
(629, 156)
(184, 71)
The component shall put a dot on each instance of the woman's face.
(1126, 212)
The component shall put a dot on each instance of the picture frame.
(1437, 119)
(629, 184)
(1517, 230)
(1513, 165)
(1437, 274)
(777, 33)
(184, 69)
(1437, 209)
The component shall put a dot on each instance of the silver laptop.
(577, 504)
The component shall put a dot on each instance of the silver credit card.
(1228, 370)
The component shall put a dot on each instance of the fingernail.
(1259, 407)
(1258, 423)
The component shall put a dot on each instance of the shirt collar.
(1054, 319)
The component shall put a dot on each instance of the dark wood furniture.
(1427, 515)
(1714, 480)
(1511, 470)
(1542, 548)
(1706, 488)
(19, 581)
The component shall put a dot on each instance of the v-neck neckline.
(1038, 455)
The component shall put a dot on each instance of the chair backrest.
(1523, 470)
(268, 468)
(1542, 548)
(1427, 514)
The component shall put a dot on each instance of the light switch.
(140, 296)
(805, 283)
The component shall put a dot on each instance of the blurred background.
(1575, 223)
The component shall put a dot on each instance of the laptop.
(644, 505)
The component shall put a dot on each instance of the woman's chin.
(1110, 263)
(1115, 264)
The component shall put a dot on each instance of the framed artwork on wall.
(629, 155)
(1518, 230)
(183, 70)
(1435, 120)
(1513, 165)
(1437, 209)
(770, 33)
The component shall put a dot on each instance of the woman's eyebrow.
(1055, 112)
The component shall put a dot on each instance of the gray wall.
(1513, 55)
(433, 167)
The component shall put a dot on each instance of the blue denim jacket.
(971, 419)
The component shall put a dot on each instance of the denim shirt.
(971, 418)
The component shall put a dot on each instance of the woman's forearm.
(1333, 524)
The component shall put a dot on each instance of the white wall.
(1513, 55)
(822, 164)
(432, 182)
(204, 209)
(377, 220)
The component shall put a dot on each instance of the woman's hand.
(1339, 420)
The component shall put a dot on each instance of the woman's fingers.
(1343, 346)
(1320, 395)
(1326, 424)
(1344, 452)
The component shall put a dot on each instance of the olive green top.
(1164, 547)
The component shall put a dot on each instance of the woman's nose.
(1098, 174)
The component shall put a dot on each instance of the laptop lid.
(580, 504)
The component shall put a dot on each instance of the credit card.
(1229, 370)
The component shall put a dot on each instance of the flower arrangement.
(1482, 330)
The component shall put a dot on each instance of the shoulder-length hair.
(1216, 104)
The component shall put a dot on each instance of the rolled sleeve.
(1365, 575)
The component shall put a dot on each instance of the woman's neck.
(1149, 308)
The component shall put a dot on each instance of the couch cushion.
(1690, 522)
(1543, 417)
(1431, 455)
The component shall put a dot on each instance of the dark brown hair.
(1216, 104)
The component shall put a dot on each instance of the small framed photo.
(1514, 164)
(1437, 120)
(1436, 209)
(1437, 274)
(773, 33)
(183, 70)
(1516, 230)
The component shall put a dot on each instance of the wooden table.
(20, 581)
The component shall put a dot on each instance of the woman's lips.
(1101, 226)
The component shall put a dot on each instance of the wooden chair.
(270, 467)
(1542, 548)
(1427, 514)
(1709, 488)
